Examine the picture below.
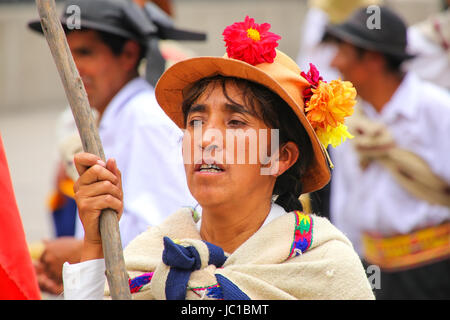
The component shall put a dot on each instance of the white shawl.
(266, 266)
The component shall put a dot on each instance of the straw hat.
(278, 73)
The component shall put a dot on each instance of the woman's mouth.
(209, 168)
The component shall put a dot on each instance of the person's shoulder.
(436, 92)
(432, 96)
(312, 231)
(334, 243)
(145, 250)
(143, 111)
(433, 108)
(324, 231)
(179, 223)
(332, 255)
(143, 100)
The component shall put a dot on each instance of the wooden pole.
(76, 94)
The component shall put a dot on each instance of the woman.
(250, 150)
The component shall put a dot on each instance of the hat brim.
(345, 33)
(35, 25)
(164, 33)
(169, 94)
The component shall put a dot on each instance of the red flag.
(17, 276)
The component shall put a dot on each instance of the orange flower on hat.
(330, 103)
(327, 105)
(250, 42)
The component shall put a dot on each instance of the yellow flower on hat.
(333, 136)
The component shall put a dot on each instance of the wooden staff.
(76, 94)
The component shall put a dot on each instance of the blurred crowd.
(389, 191)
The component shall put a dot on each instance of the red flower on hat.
(250, 42)
(313, 77)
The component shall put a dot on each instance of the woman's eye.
(195, 122)
(236, 123)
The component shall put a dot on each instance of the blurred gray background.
(32, 97)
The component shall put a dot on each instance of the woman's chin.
(209, 198)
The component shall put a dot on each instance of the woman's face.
(225, 149)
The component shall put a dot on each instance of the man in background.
(390, 186)
(114, 38)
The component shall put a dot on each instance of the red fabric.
(17, 276)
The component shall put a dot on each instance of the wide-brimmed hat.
(121, 18)
(277, 72)
(380, 29)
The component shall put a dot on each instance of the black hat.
(123, 18)
(126, 19)
(362, 30)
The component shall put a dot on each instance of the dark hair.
(276, 114)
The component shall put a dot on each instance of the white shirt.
(86, 280)
(147, 147)
(418, 116)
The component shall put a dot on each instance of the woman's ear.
(281, 160)
(288, 155)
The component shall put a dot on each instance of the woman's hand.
(98, 187)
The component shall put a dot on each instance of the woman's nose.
(211, 138)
